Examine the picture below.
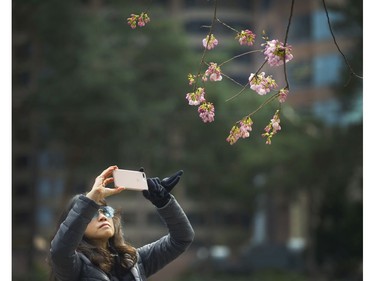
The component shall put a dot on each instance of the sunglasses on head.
(107, 211)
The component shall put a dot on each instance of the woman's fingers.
(107, 172)
(113, 191)
(99, 190)
(106, 176)
(107, 181)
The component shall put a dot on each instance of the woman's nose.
(101, 216)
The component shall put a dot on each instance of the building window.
(44, 188)
(44, 216)
(320, 24)
(21, 217)
(300, 30)
(327, 69)
(50, 159)
(328, 111)
(22, 190)
(322, 71)
(21, 162)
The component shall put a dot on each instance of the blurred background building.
(276, 233)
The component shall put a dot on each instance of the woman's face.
(101, 227)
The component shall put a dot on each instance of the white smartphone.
(133, 180)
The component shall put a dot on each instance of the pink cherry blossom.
(210, 43)
(262, 84)
(197, 97)
(207, 112)
(143, 19)
(272, 128)
(213, 72)
(191, 79)
(139, 20)
(132, 21)
(240, 130)
(283, 94)
(246, 37)
(275, 52)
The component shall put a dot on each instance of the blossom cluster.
(207, 112)
(276, 54)
(197, 97)
(241, 129)
(273, 127)
(246, 37)
(261, 84)
(206, 109)
(140, 20)
(213, 73)
(210, 42)
(191, 79)
(283, 94)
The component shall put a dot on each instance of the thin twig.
(206, 47)
(286, 41)
(231, 28)
(352, 73)
(240, 92)
(244, 87)
(263, 104)
(240, 55)
(234, 81)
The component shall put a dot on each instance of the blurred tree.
(339, 229)
(106, 91)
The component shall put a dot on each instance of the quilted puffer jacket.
(68, 264)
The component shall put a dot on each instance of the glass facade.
(326, 69)
(320, 24)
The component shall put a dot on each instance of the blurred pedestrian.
(89, 242)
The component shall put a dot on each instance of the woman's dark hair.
(103, 258)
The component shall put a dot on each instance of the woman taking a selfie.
(89, 243)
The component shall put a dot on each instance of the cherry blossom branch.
(238, 56)
(223, 23)
(209, 37)
(285, 43)
(267, 101)
(276, 54)
(352, 73)
(244, 87)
